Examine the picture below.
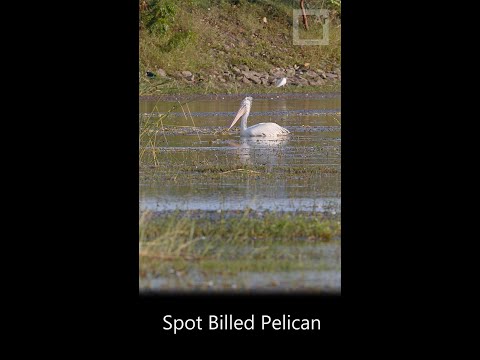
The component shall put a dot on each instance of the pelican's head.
(244, 109)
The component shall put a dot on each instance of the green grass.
(229, 244)
(273, 226)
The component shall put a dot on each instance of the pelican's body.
(262, 129)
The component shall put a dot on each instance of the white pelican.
(262, 129)
(281, 82)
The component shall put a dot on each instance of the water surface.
(315, 141)
(189, 162)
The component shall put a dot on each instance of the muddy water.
(329, 281)
(315, 141)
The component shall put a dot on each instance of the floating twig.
(244, 170)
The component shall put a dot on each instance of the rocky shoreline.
(242, 75)
(240, 96)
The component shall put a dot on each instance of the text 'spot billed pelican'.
(262, 129)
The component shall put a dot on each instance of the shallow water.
(315, 141)
(192, 163)
(329, 281)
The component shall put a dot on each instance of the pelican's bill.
(240, 112)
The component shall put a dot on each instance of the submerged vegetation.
(178, 246)
(174, 230)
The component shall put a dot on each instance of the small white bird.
(262, 129)
(281, 82)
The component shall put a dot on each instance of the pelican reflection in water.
(260, 151)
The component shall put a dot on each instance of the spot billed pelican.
(262, 129)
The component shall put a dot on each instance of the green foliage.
(223, 36)
(178, 40)
(240, 230)
(157, 16)
(336, 6)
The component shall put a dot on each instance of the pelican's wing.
(266, 129)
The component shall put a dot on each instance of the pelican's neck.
(243, 123)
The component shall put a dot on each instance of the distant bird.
(150, 74)
(262, 129)
(281, 82)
